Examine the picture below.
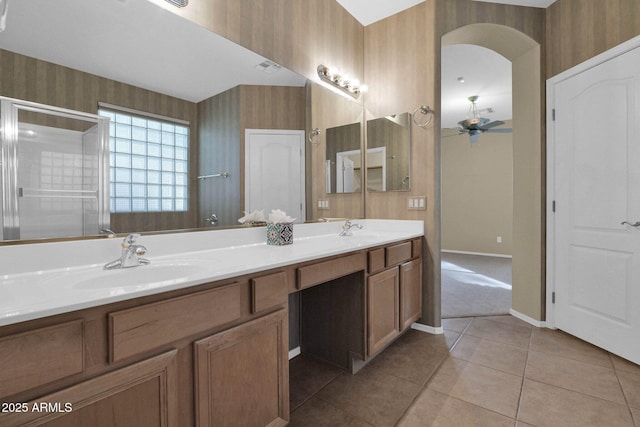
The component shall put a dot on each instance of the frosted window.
(149, 162)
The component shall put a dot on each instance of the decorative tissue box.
(280, 234)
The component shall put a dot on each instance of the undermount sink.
(156, 273)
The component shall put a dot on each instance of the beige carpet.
(475, 285)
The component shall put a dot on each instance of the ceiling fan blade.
(492, 124)
(473, 138)
(499, 130)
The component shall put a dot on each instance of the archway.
(528, 221)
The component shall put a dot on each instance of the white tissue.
(255, 216)
(279, 217)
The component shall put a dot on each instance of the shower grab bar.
(223, 175)
(58, 194)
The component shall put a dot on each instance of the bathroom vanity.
(201, 335)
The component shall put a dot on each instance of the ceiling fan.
(474, 125)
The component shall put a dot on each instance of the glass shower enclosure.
(55, 171)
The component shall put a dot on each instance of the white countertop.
(39, 280)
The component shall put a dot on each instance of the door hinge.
(553, 114)
(553, 206)
(553, 297)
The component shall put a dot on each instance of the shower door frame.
(9, 109)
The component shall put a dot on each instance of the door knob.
(637, 224)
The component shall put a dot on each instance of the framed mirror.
(189, 75)
(389, 153)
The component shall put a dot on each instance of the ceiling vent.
(268, 67)
(178, 3)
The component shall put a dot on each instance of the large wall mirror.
(344, 159)
(75, 54)
(389, 153)
(337, 158)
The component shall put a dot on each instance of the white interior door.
(274, 171)
(345, 170)
(594, 180)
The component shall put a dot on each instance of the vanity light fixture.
(340, 81)
(4, 7)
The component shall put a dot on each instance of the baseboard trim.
(294, 352)
(476, 253)
(529, 320)
(426, 328)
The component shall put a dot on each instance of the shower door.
(55, 180)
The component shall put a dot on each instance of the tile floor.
(483, 371)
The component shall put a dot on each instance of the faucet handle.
(130, 240)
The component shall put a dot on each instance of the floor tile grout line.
(423, 388)
(624, 395)
(354, 416)
(435, 371)
(524, 378)
(578, 392)
(316, 393)
(433, 374)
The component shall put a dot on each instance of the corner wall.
(400, 70)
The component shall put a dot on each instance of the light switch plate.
(418, 203)
(323, 204)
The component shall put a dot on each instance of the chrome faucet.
(131, 254)
(346, 228)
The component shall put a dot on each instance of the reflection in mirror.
(389, 153)
(54, 181)
(343, 159)
(223, 89)
(340, 120)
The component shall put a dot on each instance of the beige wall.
(581, 29)
(477, 192)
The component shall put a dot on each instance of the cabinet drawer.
(328, 270)
(376, 260)
(268, 291)
(140, 329)
(38, 357)
(398, 253)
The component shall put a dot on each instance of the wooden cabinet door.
(410, 292)
(383, 320)
(242, 375)
(140, 395)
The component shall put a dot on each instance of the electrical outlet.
(410, 203)
(499, 239)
